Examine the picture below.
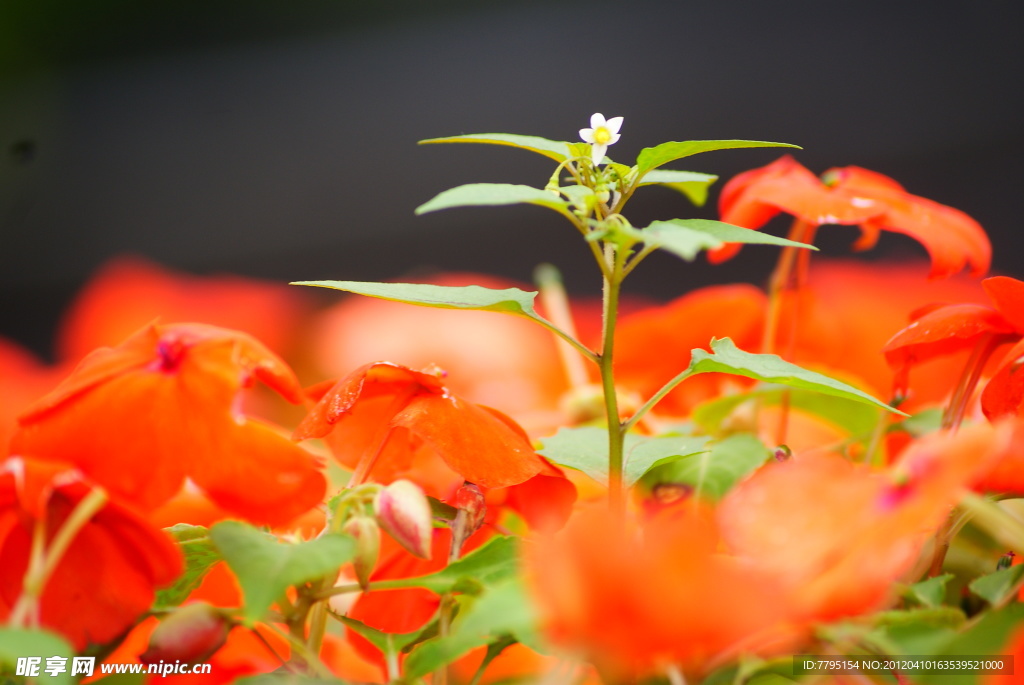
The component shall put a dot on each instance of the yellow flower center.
(602, 135)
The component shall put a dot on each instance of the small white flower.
(600, 135)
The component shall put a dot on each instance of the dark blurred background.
(278, 139)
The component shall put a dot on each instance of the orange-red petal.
(107, 576)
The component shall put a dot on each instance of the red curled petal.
(943, 331)
(1008, 296)
(1004, 393)
(953, 239)
(370, 381)
(471, 439)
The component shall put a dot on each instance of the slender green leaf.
(692, 184)
(994, 587)
(930, 592)
(922, 423)
(586, 449)
(500, 612)
(855, 418)
(653, 157)
(386, 642)
(18, 642)
(715, 472)
(686, 238)
(510, 300)
(200, 555)
(554, 149)
(266, 567)
(494, 194)
(727, 358)
(939, 617)
(494, 561)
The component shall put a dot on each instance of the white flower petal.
(587, 134)
(615, 138)
(613, 125)
(597, 120)
(597, 153)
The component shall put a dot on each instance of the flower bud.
(367, 535)
(190, 634)
(404, 512)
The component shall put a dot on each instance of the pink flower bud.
(367, 535)
(404, 512)
(191, 634)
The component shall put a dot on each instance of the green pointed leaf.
(994, 587)
(494, 561)
(494, 194)
(500, 612)
(988, 636)
(715, 472)
(18, 642)
(686, 238)
(938, 617)
(855, 418)
(653, 157)
(386, 642)
(510, 300)
(554, 149)
(586, 449)
(266, 567)
(200, 555)
(922, 423)
(725, 357)
(692, 184)
(930, 592)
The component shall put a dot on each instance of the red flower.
(838, 534)
(633, 600)
(163, 406)
(382, 413)
(944, 330)
(130, 292)
(105, 579)
(854, 196)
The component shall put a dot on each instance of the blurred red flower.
(106, 577)
(839, 534)
(854, 196)
(163, 406)
(127, 293)
(633, 599)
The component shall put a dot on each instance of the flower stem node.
(600, 135)
(404, 512)
(190, 634)
(472, 507)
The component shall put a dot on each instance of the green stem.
(655, 398)
(616, 431)
(576, 344)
